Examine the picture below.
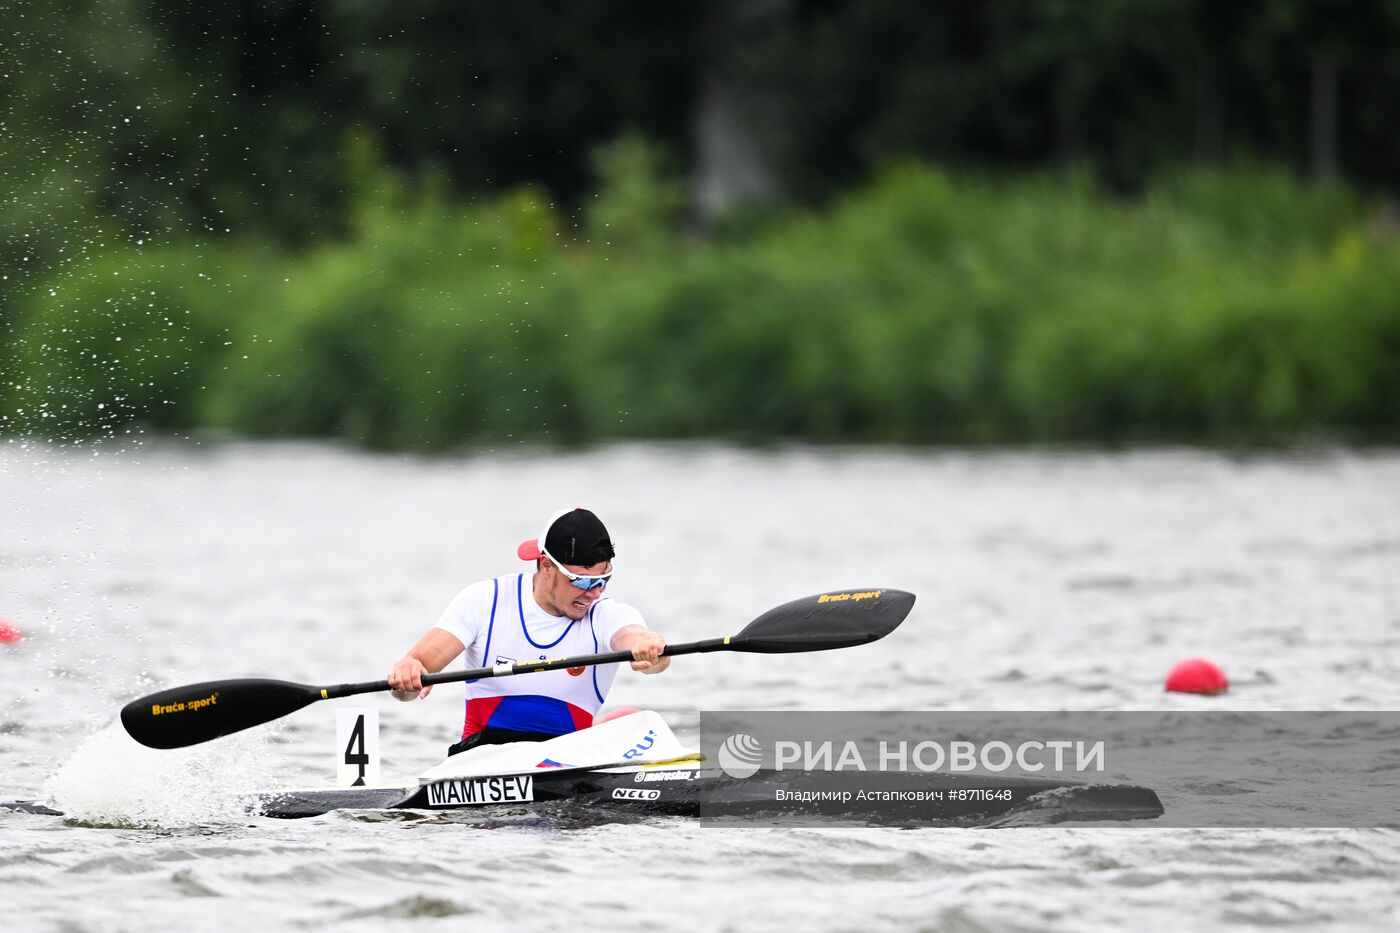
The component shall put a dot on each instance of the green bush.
(428, 327)
(926, 307)
(136, 337)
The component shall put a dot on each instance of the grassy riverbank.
(927, 306)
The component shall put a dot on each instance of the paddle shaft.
(183, 716)
(526, 667)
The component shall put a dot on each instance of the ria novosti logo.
(740, 755)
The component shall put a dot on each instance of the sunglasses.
(580, 581)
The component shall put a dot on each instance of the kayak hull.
(905, 798)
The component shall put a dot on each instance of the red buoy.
(8, 633)
(1197, 675)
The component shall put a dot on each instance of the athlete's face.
(558, 594)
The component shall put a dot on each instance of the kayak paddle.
(196, 713)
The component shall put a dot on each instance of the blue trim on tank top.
(490, 627)
(520, 599)
(594, 633)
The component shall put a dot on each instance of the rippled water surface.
(1045, 581)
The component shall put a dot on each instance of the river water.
(1046, 581)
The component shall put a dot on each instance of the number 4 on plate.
(357, 747)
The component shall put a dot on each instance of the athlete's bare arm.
(434, 651)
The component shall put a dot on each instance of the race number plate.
(357, 746)
(477, 792)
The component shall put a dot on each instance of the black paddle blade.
(197, 713)
(830, 620)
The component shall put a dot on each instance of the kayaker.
(561, 610)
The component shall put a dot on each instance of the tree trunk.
(1210, 112)
(732, 164)
(1324, 119)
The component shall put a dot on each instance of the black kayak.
(821, 797)
(908, 799)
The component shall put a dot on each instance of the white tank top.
(499, 621)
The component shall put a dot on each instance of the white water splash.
(111, 780)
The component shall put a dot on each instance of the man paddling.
(561, 610)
